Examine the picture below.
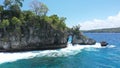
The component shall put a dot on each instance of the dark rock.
(103, 43)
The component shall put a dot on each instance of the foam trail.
(69, 50)
(111, 46)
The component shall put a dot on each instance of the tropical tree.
(15, 8)
(62, 23)
(1, 9)
(28, 15)
(9, 3)
(55, 19)
(17, 31)
(4, 24)
(58, 22)
(38, 8)
(15, 21)
(76, 29)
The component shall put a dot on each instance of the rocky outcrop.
(33, 39)
(82, 40)
(103, 43)
(33, 43)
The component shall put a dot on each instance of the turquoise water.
(78, 56)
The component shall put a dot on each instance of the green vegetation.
(32, 29)
(16, 21)
(75, 30)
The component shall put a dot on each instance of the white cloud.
(110, 22)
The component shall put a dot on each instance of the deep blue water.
(106, 57)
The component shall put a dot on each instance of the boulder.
(103, 43)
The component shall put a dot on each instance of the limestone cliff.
(32, 38)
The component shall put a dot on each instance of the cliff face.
(32, 38)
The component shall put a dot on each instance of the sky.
(90, 14)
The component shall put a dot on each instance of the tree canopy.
(12, 17)
(8, 4)
(38, 8)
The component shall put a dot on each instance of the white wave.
(69, 50)
(10, 57)
(110, 46)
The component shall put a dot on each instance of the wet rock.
(103, 43)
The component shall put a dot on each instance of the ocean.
(77, 56)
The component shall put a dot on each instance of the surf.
(68, 51)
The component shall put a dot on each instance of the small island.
(27, 30)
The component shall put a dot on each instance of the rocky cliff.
(32, 38)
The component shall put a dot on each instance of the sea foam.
(68, 51)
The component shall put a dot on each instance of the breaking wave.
(69, 50)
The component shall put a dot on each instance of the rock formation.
(82, 40)
(103, 43)
(33, 39)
